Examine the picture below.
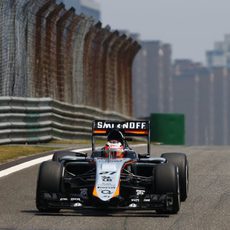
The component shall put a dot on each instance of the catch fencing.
(48, 51)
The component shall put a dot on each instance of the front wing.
(74, 201)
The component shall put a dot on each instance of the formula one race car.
(114, 176)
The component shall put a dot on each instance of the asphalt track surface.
(207, 207)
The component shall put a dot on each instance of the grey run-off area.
(207, 207)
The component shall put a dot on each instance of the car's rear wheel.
(181, 161)
(49, 181)
(166, 181)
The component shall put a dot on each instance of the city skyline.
(191, 27)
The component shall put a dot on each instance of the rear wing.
(127, 128)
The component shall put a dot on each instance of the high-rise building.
(187, 87)
(202, 94)
(88, 7)
(151, 79)
(220, 55)
(191, 95)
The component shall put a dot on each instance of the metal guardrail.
(33, 120)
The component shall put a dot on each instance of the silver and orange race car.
(114, 176)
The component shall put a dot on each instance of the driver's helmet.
(114, 149)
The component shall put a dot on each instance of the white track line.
(39, 160)
(30, 163)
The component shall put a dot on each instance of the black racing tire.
(181, 161)
(58, 155)
(49, 180)
(166, 181)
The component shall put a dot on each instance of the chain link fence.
(48, 51)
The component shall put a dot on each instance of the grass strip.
(8, 153)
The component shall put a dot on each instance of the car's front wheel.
(166, 181)
(181, 161)
(49, 181)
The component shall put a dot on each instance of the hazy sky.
(190, 26)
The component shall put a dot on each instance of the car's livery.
(135, 181)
